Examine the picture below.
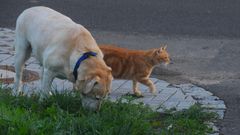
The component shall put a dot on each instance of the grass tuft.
(63, 114)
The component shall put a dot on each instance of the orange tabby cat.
(135, 65)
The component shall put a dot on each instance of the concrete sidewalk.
(178, 96)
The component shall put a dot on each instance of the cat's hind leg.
(149, 83)
(136, 91)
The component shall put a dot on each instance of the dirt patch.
(28, 75)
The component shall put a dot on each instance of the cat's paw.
(154, 92)
(138, 93)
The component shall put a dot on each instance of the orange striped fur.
(135, 65)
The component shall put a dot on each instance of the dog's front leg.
(47, 79)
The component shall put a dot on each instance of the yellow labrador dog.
(65, 50)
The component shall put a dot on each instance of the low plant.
(189, 122)
(63, 114)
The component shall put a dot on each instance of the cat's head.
(160, 55)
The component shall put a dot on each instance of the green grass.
(63, 114)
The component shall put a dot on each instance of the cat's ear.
(165, 47)
(158, 51)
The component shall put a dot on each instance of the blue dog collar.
(82, 58)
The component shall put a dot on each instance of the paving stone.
(219, 104)
(144, 88)
(5, 49)
(8, 61)
(31, 60)
(210, 98)
(6, 74)
(34, 67)
(5, 43)
(123, 91)
(2, 42)
(148, 94)
(61, 85)
(161, 109)
(6, 30)
(184, 101)
(199, 93)
(3, 37)
(7, 86)
(199, 89)
(169, 90)
(184, 87)
(170, 105)
(162, 97)
(146, 100)
(153, 106)
(32, 87)
(117, 83)
(158, 102)
(220, 112)
(215, 106)
(115, 96)
(161, 84)
(178, 95)
(9, 40)
(127, 85)
(185, 104)
(4, 57)
(154, 80)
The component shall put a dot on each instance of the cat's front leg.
(149, 83)
(136, 91)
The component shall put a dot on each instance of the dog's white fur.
(57, 42)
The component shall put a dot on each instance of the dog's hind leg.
(23, 51)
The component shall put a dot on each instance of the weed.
(63, 114)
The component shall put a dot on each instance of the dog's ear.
(90, 84)
(109, 69)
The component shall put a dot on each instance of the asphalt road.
(171, 17)
(203, 38)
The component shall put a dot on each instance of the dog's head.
(95, 86)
